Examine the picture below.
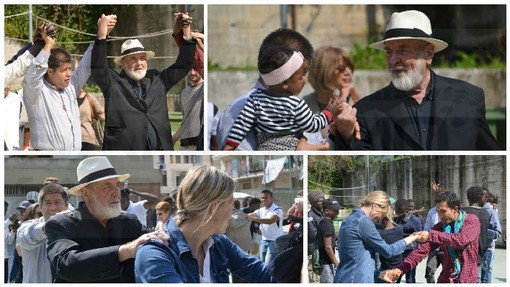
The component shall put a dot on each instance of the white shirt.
(33, 242)
(274, 230)
(17, 68)
(53, 113)
(10, 117)
(206, 269)
(139, 210)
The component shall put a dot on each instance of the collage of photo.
(254, 143)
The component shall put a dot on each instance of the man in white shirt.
(270, 217)
(140, 207)
(50, 88)
(32, 238)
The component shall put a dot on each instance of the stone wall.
(224, 87)
(409, 178)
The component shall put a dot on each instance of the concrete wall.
(409, 178)
(224, 87)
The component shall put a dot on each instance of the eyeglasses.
(343, 67)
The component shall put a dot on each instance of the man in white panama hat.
(419, 110)
(98, 242)
(135, 99)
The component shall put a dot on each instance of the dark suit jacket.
(81, 250)
(457, 120)
(127, 118)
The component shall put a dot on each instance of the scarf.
(455, 253)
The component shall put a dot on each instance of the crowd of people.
(201, 234)
(64, 117)
(418, 110)
(384, 239)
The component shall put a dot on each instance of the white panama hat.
(94, 169)
(410, 24)
(132, 46)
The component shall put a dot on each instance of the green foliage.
(215, 67)
(82, 18)
(465, 60)
(366, 58)
(325, 172)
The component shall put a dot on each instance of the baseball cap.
(330, 203)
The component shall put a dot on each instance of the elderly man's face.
(103, 198)
(135, 66)
(407, 62)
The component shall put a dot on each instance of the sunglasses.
(341, 68)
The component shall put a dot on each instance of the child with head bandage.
(277, 114)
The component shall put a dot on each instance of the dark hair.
(58, 57)
(30, 212)
(237, 204)
(449, 197)
(492, 198)
(273, 57)
(253, 201)
(401, 204)
(53, 188)
(267, 191)
(289, 38)
(474, 194)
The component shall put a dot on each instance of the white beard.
(100, 210)
(136, 75)
(410, 79)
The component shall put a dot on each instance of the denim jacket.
(358, 241)
(173, 263)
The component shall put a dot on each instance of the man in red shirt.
(457, 236)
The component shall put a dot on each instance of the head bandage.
(284, 72)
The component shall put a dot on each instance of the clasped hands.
(421, 236)
(390, 275)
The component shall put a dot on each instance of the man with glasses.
(97, 243)
(419, 110)
(32, 237)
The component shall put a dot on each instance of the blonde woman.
(198, 252)
(359, 240)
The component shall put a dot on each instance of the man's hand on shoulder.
(128, 250)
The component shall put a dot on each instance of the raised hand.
(105, 25)
(346, 123)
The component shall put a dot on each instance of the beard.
(136, 75)
(100, 210)
(411, 78)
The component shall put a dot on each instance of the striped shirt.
(276, 115)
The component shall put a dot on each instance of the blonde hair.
(380, 198)
(324, 64)
(200, 187)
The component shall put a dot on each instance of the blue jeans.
(266, 245)
(485, 270)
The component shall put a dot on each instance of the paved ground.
(499, 269)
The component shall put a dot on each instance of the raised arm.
(99, 64)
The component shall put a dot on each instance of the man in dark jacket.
(135, 100)
(97, 243)
(419, 110)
